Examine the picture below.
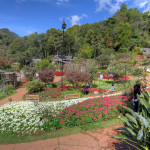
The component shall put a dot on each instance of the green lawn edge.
(1, 98)
(13, 139)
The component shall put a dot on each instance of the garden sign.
(33, 98)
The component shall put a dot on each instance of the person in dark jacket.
(86, 88)
(137, 90)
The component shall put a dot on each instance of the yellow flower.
(146, 148)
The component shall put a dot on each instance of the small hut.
(57, 59)
(9, 77)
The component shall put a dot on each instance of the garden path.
(21, 92)
(16, 97)
(100, 139)
(57, 79)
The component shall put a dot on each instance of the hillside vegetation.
(127, 29)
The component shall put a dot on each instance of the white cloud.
(141, 5)
(59, 2)
(113, 5)
(110, 5)
(29, 32)
(76, 19)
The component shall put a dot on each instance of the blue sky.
(25, 17)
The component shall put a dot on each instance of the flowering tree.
(77, 76)
(46, 75)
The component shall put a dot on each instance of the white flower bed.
(29, 116)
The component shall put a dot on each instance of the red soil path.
(100, 139)
(16, 97)
(21, 92)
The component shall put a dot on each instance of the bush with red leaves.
(76, 76)
(46, 75)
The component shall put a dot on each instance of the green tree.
(43, 65)
(124, 35)
(18, 51)
(85, 52)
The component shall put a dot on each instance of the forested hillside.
(6, 37)
(127, 29)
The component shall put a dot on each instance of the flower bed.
(20, 117)
(106, 76)
(59, 73)
(23, 82)
(92, 110)
(57, 93)
(27, 117)
(97, 90)
(71, 87)
(50, 93)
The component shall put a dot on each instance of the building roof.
(146, 49)
(59, 58)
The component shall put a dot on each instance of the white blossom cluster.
(29, 117)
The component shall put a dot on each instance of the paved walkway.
(16, 97)
(100, 139)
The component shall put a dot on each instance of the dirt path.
(16, 97)
(100, 139)
(58, 79)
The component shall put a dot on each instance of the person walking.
(137, 89)
(145, 68)
(86, 88)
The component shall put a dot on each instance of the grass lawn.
(12, 138)
(3, 94)
(143, 75)
(120, 85)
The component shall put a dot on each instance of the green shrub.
(29, 78)
(10, 87)
(134, 61)
(34, 86)
(137, 72)
(94, 85)
(136, 131)
(2, 94)
(72, 91)
(52, 85)
(146, 63)
(102, 71)
(51, 124)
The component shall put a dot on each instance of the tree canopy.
(128, 28)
